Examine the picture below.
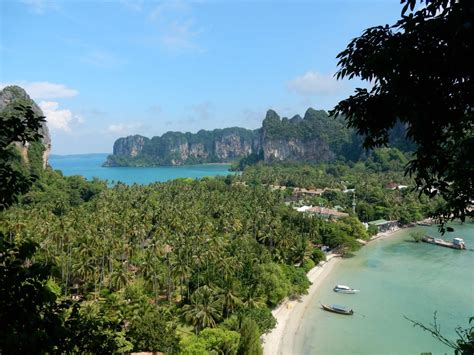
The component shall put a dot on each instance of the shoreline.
(389, 233)
(280, 341)
(289, 313)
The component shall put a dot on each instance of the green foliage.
(274, 282)
(30, 315)
(151, 329)
(430, 46)
(35, 158)
(417, 236)
(204, 309)
(34, 320)
(372, 230)
(318, 255)
(249, 338)
(297, 279)
(308, 264)
(373, 199)
(263, 317)
(61, 193)
(249, 160)
(215, 340)
(20, 124)
(200, 252)
(92, 330)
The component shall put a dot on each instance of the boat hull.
(338, 311)
(345, 291)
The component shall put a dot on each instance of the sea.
(398, 278)
(90, 166)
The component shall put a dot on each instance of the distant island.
(316, 137)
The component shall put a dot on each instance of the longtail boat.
(338, 309)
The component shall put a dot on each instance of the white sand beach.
(290, 313)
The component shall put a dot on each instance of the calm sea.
(396, 277)
(90, 165)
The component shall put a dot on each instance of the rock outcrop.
(14, 95)
(131, 145)
(176, 148)
(316, 137)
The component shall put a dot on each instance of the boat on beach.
(338, 309)
(345, 289)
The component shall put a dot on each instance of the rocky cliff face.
(316, 137)
(176, 148)
(314, 150)
(232, 146)
(11, 96)
(131, 145)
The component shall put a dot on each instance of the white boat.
(344, 289)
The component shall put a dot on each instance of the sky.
(101, 70)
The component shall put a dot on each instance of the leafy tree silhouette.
(421, 73)
(32, 318)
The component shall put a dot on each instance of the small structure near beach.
(384, 225)
(326, 212)
(323, 212)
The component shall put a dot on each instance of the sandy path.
(290, 313)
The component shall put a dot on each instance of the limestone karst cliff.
(13, 95)
(316, 137)
(176, 148)
(278, 140)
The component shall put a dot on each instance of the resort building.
(395, 186)
(301, 191)
(327, 212)
(323, 212)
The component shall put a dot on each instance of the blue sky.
(105, 69)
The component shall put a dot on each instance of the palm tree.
(204, 310)
(119, 278)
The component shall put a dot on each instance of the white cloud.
(40, 6)
(59, 119)
(134, 5)
(176, 28)
(124, 128)
(314, 83)
(101, 59)
(166, 8)
(44, 89)
(180, 36)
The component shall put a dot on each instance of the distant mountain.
(316, 137)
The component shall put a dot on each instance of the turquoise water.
(90, 165)
(396, 277)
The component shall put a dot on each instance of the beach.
(290, 313)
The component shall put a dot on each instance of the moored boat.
(457, 243)
(344, 289)
(338, 309)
